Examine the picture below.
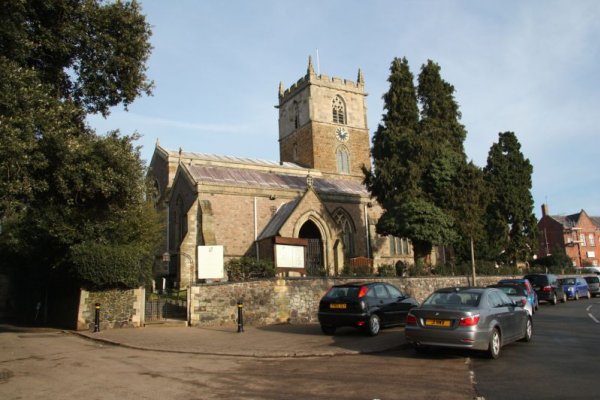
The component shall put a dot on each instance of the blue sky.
(531, 67)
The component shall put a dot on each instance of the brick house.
(313, 198)
(578, 234)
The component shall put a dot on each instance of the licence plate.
(336, 305)
(438, 322)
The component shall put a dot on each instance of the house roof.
(570, 221)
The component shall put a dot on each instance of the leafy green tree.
(72, 203)
(91, 52)
(511, 224)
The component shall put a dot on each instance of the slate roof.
(570, 221)
(277, 221)
(241, 177)
(231, 159)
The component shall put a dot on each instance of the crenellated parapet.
(311, 77)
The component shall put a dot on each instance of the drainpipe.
(256, 230)
(367, 232)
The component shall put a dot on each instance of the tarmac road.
(41, 364)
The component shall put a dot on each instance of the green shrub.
(248, 268)
(357, 270)
(102, 266)
(386, 270)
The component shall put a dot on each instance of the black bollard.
(97, 318)
(240, 306)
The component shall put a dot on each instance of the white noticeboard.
(210, 262)
(289, 256)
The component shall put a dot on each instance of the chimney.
(545, 210)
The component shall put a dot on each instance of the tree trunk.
(422, 252)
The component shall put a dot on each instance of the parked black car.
(364, 305)
(547, 288)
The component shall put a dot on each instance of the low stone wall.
(293, 300)
(118, 309)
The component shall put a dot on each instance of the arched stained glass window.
(344, 222)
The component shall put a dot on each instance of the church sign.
(289, 254)
(210, 262)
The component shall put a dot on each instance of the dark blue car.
(575, 287)
(531, 295)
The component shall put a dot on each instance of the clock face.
(341, 134)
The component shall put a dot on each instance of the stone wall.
(118, 309)
(292, 300)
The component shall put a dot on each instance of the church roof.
(205, 157)
(243, 177)
(277, 221)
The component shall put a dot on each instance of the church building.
(309, 212)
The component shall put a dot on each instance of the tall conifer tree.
(510, 222)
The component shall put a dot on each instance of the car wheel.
(374, 325)
(493, 350)
(564, 299)
(554, 299)
(528, 331)
(328, 330)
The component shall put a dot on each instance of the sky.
(526, 66)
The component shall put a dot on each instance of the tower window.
(343, 160)
(296, 115)
(339, 110)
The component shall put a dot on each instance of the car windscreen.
(513, 290)
(538, 280)
(453, 299)
(337, 292)
(567, 281)
(592, 279)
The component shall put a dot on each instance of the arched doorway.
(314, 250)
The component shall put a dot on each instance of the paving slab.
(284, 340)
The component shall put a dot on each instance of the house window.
(399, 246)
(343, 160)
(591, 237)
(339, 110)
(582, 238)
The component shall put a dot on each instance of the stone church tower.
(323, 124)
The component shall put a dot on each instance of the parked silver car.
(470, 318)
(593, 284)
